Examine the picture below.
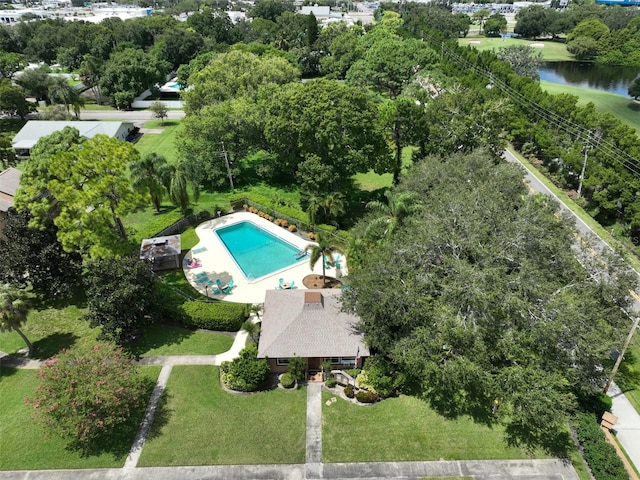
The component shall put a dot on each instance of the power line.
(605, 148)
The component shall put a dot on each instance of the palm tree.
(320, 251)
(252, 329)
(390, 215)
(148, 173)
(90, 71)
(334, 205)
(182, 176)
(59, 91)
(314, 203)
(14, 308)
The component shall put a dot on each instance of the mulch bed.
(315, 281)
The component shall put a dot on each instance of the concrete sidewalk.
(627, 429)
(479, 469)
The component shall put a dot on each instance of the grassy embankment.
(624, 108)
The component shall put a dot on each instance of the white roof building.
(34, 130)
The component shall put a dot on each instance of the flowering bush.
(93, 397)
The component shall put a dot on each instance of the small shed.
(162, 252)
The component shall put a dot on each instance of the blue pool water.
(256, 251)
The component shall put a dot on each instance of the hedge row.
(220, 316)
(600, 455)
(158, 224)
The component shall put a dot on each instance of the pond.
(613, 79)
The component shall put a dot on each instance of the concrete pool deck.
(218, 263)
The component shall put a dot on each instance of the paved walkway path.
(479, 469)
(313, 468)
(147, 420)
(627, 429)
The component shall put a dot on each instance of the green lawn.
(371, 181)
(174, 340)
(26, 445)
(50, 330)
(620, 106)
(207, 426)
(551, 52)
(628, 376)
(405, 429)
(161, 143)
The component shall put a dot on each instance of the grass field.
(26, 445)
(161, 143)
(174, 340)
(551, 52)
(622, 107)
(207, 426)
(405, 429)
(50, 330)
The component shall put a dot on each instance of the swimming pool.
(257, 252)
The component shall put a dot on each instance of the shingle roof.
(9, 183)
(296, 324)
(33, 130)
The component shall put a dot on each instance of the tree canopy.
(484, 299)
(84, 188)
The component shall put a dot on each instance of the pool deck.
(217, 263)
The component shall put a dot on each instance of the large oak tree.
(483, 298)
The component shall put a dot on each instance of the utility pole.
(621, 355)
(584, 164)
(226, 160)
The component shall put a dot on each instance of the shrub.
(221, 316)
(297, 368)
(292, 228)
(364, 396)
(247, 373)
(93, 397)
(331, 382)
(348, 391)
(601, 457)
(284, 224)
(287, 380)
(312, 236)
(381, 377)
(245, 206)
(158, 224)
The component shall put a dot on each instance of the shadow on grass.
(53, 344)
(162, 416)
(77, 299)
(635, 106)
(156, 336)
(6, 372)
(119, 439)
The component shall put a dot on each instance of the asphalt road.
(137, 117)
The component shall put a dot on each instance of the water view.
(612, 79)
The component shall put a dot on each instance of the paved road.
(629, 419)
(138, 117)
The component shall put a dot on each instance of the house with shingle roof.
(309, 324)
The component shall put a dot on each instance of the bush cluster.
(348, 391)
(246, 373)
(600, 455)
(221, 316)
(287, 380)
(365, 396)
(331, 382)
